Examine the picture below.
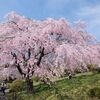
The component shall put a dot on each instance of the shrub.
(77, 70)
(97, 69)
(94, 92)
(92, 67)
(17, 86)
(66, 72)
(35, 79)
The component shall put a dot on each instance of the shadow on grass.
(42, 87)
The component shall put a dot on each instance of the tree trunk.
(29, 84)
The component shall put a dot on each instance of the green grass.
(64, 89)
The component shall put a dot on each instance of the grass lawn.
(65, 89)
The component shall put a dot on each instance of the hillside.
(85, 86)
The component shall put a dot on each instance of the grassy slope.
(74, 89)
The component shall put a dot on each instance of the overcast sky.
(86, 10)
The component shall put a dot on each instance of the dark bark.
(24, 58)
(29, 84)
(17, 25)
(14, 55)
(29, 53)
(28, 79)
(40, 58)
(20, 70)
